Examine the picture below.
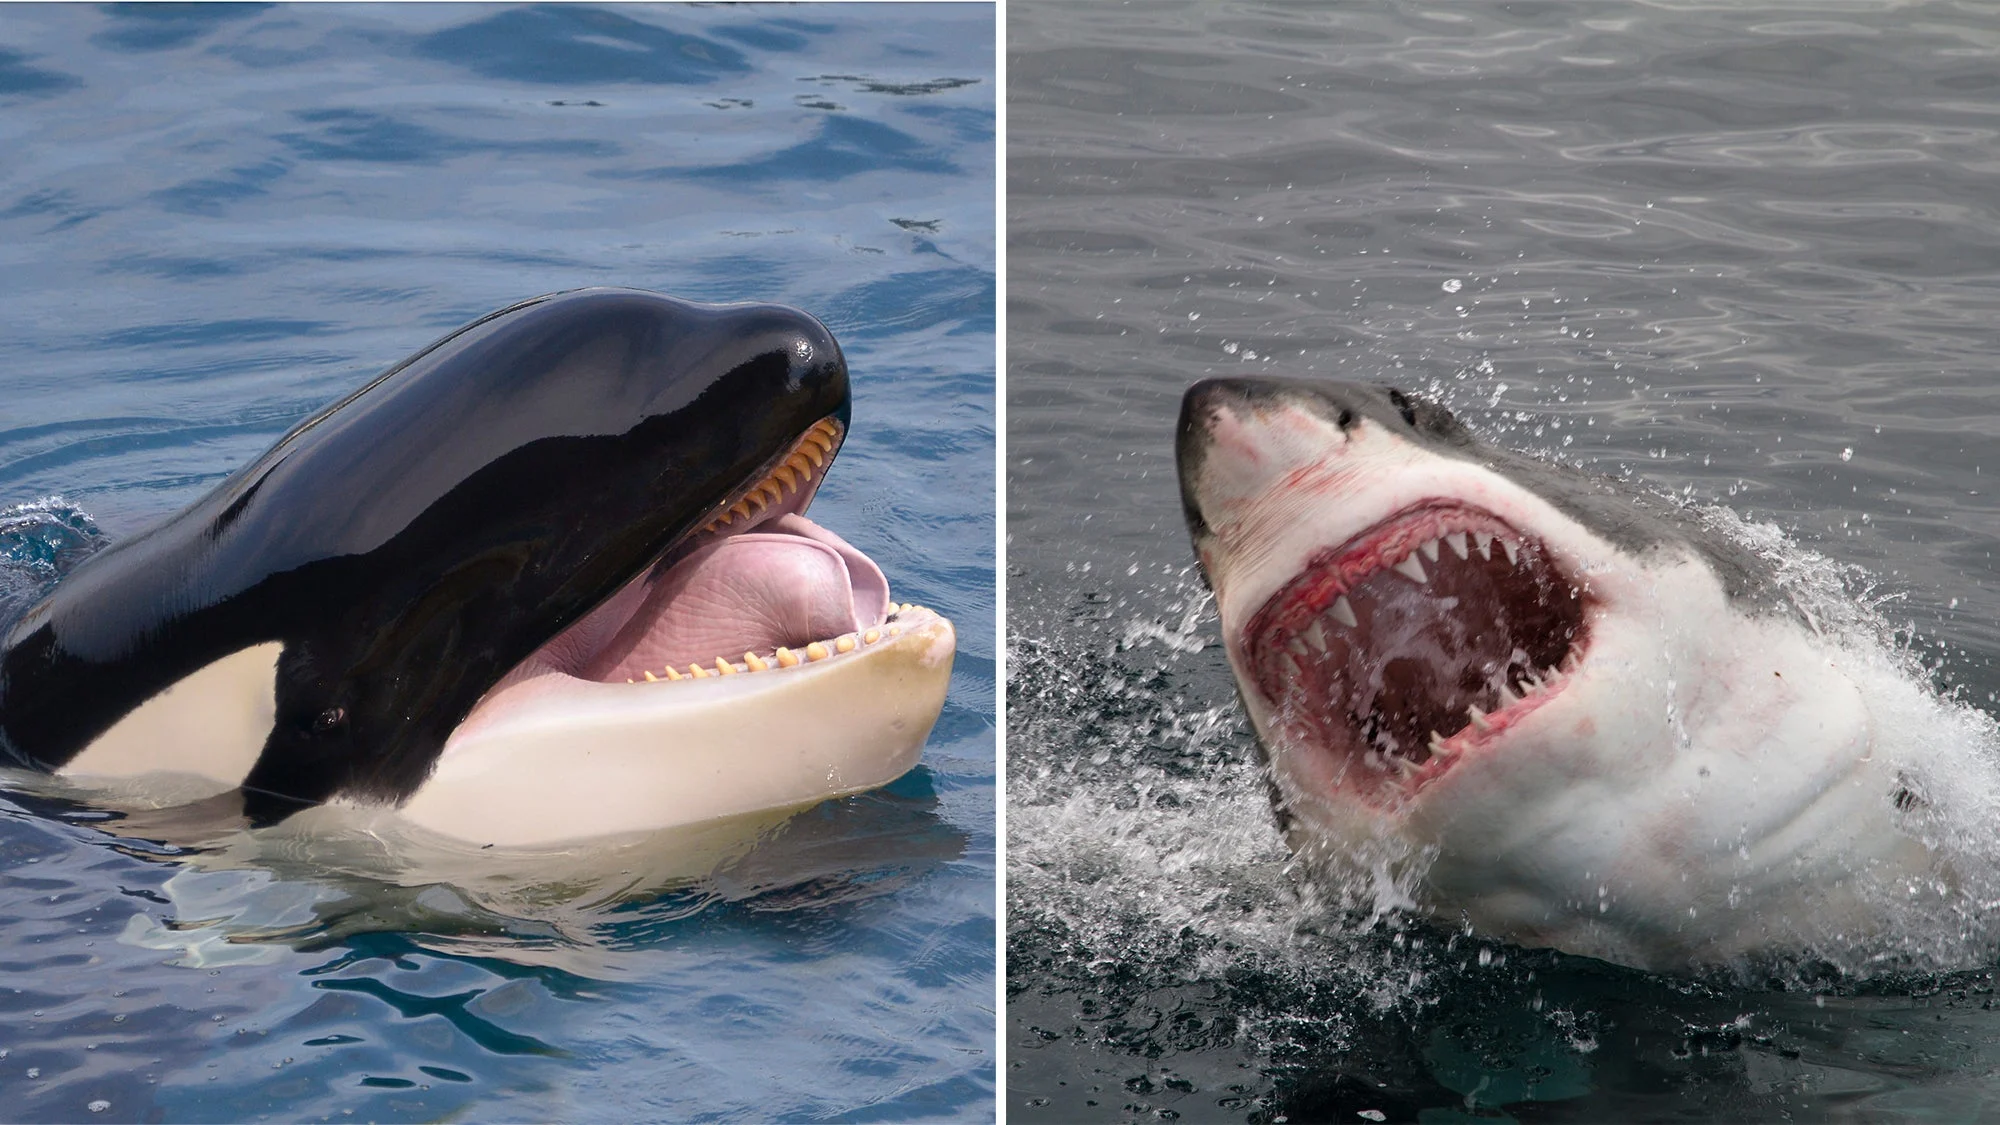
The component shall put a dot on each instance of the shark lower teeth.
(784, 657)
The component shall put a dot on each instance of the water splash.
(39, 542)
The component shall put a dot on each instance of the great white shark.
(1588, 719)
(549, 578)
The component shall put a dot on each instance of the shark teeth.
(1316, 636)
(783, 657)
(1410, 568)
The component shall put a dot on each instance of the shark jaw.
(1554, 704)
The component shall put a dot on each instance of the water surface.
(1745, 255)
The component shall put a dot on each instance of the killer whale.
(469, 589)
(1554, 709)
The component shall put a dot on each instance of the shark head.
(549, 577)
(1600, 725)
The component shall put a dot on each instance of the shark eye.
(1402, 404)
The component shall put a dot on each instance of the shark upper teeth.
(1456, 540)
(1344, 612)
(1430, 549)
(1412, 569)
(1513, 550)
(1484, 542)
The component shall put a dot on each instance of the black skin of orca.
(1631, 519)
(413, 542)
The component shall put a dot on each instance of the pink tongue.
(790, 582)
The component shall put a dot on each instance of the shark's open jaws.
(1583, 718)
(549, 578)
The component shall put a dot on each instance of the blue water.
(213, 220)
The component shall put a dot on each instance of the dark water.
(1749, 255)
(213, 220)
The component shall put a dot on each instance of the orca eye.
(329, 719)
(1402, 403)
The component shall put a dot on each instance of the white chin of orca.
(1568, 744)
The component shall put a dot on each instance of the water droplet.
(1847, 454)
(1454, 285)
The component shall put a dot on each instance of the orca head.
(1585, 719)
(473, 554)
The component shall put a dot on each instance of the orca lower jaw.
(1421, 639)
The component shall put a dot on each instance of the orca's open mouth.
(759, 588)
(1414, 641)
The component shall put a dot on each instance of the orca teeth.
(784, 657)
(801, 466)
